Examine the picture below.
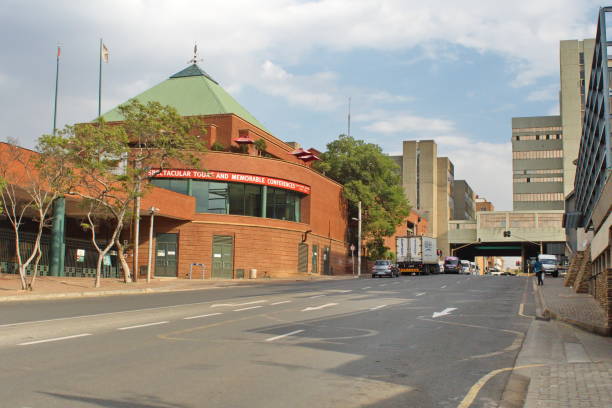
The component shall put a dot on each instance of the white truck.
(550, 264)
(417, 254)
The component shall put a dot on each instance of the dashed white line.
(54, 339)
(315, 296)
(280, 303)
(247, 308)
(442, 287)
(384, 284)
(366, 287)
(142, 325)
(377, 307)
(284, 335)
(238, 304)
(340, 290)
(318, 307)
(204, 315)
(421, 294)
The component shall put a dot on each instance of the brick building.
(253, 207)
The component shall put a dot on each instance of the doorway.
(223, 257)
(166, 255)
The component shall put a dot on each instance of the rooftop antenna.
(195, 59)
(349, 117)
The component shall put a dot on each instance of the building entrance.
(315, 259)
(223, 257)
(166, 254)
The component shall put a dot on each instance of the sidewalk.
(54, 287)
(578, 309)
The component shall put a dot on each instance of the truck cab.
(550, 264)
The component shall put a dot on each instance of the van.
(466, 267)
(452, 265)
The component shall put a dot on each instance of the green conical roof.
(191, 92)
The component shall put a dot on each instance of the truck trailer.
(417, 254)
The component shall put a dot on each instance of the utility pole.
(59, 51)
(359, 241)
(349, 118)
(152, 211)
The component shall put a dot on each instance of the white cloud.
(409, 124)
(549, 93)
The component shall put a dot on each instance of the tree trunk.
(36, 262)
(99, 268)
(127, 278)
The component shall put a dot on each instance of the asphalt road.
(405, 342)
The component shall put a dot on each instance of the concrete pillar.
(264, 201)
(58, 247)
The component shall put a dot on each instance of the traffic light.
(507, 234)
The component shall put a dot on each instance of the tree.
(260, 146)
(158, 136)
(29, 184)
(369, 176)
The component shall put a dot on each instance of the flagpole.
(56, 81)
(100, 83)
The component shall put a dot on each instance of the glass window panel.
(199, 189)
(217, 197)
(162, 183)
(179, 186)
(236, 199)
(252, 200)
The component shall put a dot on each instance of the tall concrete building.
(537, 163)
(427, 182)
(464, 201)
(575, 72)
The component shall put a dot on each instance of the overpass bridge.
(508, 233)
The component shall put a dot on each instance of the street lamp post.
(358, 239)
(152, 212)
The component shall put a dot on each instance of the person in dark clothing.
(537, 268)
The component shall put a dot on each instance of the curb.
(542, 312)
(515, 393)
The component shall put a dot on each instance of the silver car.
(384, 267)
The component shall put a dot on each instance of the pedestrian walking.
(537, 268)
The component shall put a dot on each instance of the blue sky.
(456, 72)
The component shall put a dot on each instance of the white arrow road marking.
(421, 294)
(377, 307)
(442, 287)
(141, 325)
(318, 307)
(247, 308)
(238, 304)
(444, 312)
(204, 315)
(284, 335)
(55, 339)
(280, 303)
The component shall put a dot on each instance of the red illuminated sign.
(230, 177)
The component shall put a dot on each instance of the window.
(245, 199)
(538, 154)
(531, 197)
(282, 204)
(217, 198)
(538, 180)
(199, 190)
(177, 185)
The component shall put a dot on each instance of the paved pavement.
(434, 341)
(579, 309)
(565, 366)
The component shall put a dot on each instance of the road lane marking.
(54, 339)
(315, 296)
(475, 389)
(142, 325)
(247, 308)
(377, 307)
(204, 315)
(443, 313)
(280, 303)
(421, 294)
(339, 290)
(383, 284)
(442, 287)
(366, 287)
(319, 307)
(284, 335)
(238, 304)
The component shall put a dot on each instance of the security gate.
(223, 256)
(166, 254)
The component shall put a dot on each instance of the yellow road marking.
(475, 389)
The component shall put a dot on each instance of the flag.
(59, 51)
(104, 53)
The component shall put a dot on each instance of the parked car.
(494, 272)
(383, 268)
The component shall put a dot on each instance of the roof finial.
(195, 59)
